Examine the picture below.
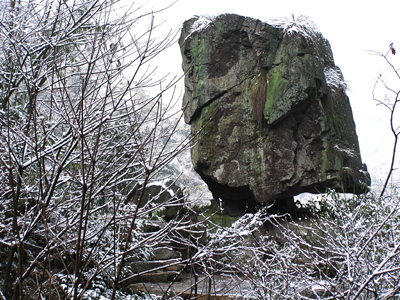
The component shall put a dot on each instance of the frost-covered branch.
(390, 102)
(80, 139)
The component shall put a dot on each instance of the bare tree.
(80, 141)
(389, 100)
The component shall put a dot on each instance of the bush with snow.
(348, 249)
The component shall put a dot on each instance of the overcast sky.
(352, 27)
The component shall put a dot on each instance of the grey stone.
(164, 194)
(273, 125)
(162, 253)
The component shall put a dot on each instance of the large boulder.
(272, 107)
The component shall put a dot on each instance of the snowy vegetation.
(297, 24)
(348, 248)
(79, 142)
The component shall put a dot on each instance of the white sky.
(352, 27)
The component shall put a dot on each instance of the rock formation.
(161, 194)
(272, 107)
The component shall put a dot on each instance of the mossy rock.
(272, 127)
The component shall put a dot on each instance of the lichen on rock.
(272, 107)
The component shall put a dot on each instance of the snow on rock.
(297, 24)
(268, 97)
(334, 78)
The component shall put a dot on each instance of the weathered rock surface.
(273, 110)
(158, 194)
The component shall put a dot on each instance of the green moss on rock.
(276, 89)
(239, 71)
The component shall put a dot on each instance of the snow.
(202, 23)
(297, 24)
(348, 152)
(334, 78)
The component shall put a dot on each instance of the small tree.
(389, 100)
(79, 141)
